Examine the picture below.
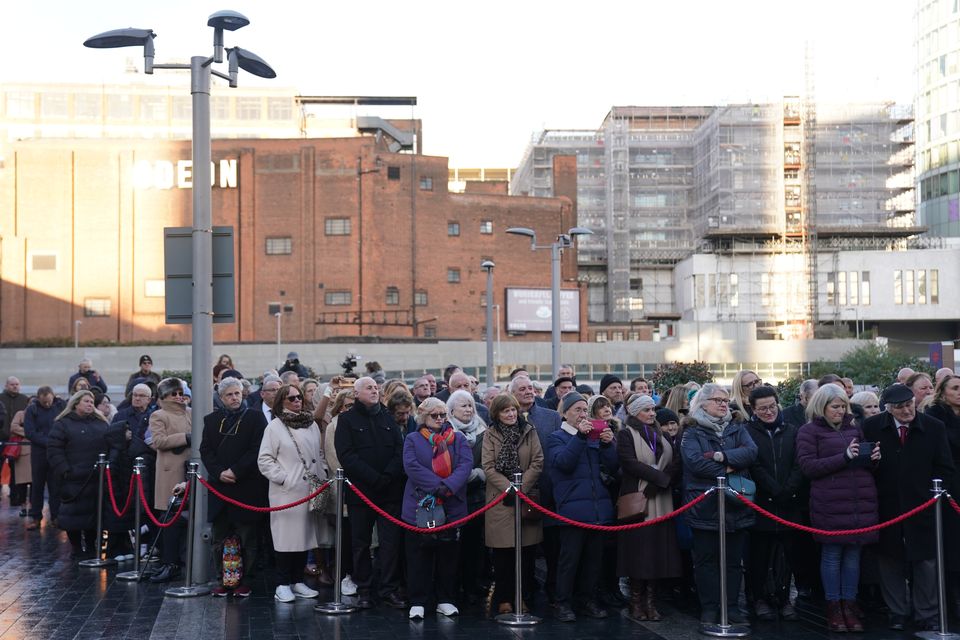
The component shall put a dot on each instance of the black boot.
(167, 573)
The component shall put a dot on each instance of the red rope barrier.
(146, 507)
(443, 527)
(113, 499)
(618, 527)
(847, 532)
(237, 503)
(953, 503)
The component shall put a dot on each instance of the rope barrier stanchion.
(337, 607)
(134, 576)
(100, 561)
(942, 634)
(518, 618)
(190, 590)
(724, 629)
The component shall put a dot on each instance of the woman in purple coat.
(843, 495)
(438, 460)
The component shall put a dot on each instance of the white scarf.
(470, 430)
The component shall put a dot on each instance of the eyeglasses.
(437, 416)
(752, 384)
(293, 398)
(175, 393)
(771, 409)
(720, 400)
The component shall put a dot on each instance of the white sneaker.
(347, 586)
(416, 613)
(284, 594)
(303, 591)
(447, 609)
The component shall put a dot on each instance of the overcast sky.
(489, 75)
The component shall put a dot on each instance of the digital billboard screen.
(530, 309)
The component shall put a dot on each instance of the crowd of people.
(837, 460)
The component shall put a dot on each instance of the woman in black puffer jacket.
(78, 436)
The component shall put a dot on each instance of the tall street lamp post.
(563, 241)
(487, 265)
(202, 314)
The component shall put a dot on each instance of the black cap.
(145, 358)
(665, 415)
(563, 379)
(896, 393)
(608, 380)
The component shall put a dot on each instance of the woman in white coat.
(290, 448)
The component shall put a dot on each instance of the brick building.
(341, 236)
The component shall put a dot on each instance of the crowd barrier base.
(724, 629)
(518, 618)
(190, 590)
(338, 606)
(100, 561)
(134, 575)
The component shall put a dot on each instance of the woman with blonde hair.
(743, 383)
(78, 436)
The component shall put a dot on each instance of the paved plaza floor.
(44, 594)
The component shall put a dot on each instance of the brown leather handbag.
(632, 507)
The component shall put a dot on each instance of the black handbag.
(430, 513)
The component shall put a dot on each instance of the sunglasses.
(293, 398)
(437, 416)
(175, 393)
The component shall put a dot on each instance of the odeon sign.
(165, 174)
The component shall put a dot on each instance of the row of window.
(921, 286)
(848, 288)
(279, 246)
(344, 297)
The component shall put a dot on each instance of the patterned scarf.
(297, 420)
(508, 461)
(440, 441)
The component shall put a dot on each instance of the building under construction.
(775, 190)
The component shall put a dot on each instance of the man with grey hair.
(291, 378)
(229, 450)
(370, 449)
(268, 391)
(421, 389)
(796, 414)
(85, 370)
(491, 393)
(460, 381)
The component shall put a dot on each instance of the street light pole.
(491, 377)
(563, 241)
(278, 316)
(76, 333)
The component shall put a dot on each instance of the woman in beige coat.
(289, 450)
(511, 444)
(170, 428)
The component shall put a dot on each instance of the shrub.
(674, 373)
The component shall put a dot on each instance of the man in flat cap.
(914, 451)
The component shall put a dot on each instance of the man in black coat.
(370, 449)
(37, 422)
(229, 450)
(914, 452)
(779, 480)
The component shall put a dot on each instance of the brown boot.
(835, 619)
(651, 591)
(852, 615)
(638, 600)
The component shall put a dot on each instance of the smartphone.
(598, 427)
(866, 448)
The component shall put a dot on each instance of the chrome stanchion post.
(134, 576)
(942, 634)
(518, 618)
(724, 629)
(190, 590)
(100, 560)
(337, 606)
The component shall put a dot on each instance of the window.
(921, 287)
(934, 286)
(393, 296)
(393, 173)
(453, 275)
(153, 108)
(420, 298)
(898, 287)
(908, 287)
(87, 105)
(182, 108)
(220, 107)
(430, 331)
(601, 336)
(154, 289)
(53, 104)
(486, 227)
(865, 288)
(734, 299)
(96, 307)
(43, 262)
(453, 228)
(633, 336)
(337, 226)
(279, 246)
(618, 336)
(20, 104)
(119, 106)
(842, 288)
(279, 108)
(273, 308)
(334, 298)
(248, 108)
(426, 183)
(854, 288)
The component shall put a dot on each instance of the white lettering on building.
(164, 174)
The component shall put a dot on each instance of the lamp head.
(126, 38)
(249, 62)
(487, 264)
(579, 231)
(227, 20)
(523, 231)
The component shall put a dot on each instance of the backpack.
(232, 562)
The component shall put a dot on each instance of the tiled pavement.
(44, 594)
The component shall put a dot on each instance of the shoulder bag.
(319, 502)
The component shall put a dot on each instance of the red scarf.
(440, 441)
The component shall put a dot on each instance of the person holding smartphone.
(843, 495)
(575, 454)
